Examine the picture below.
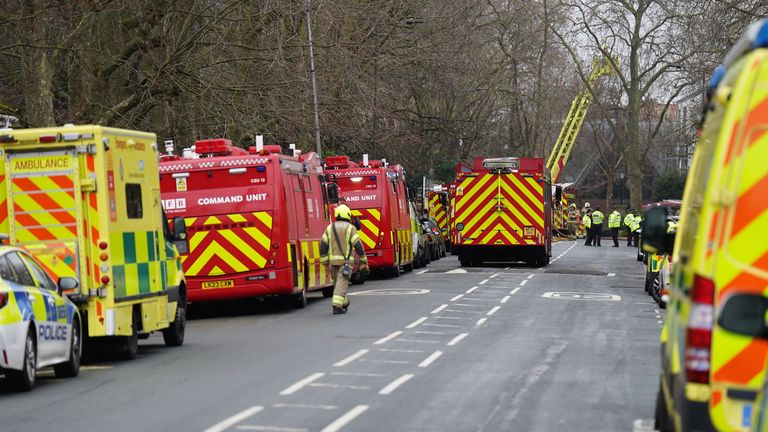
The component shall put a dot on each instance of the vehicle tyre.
(465, 261)
(174, 334)
(417, 260)
(661, 416)
(443, 254)
(71, 367)
(655, 288)
(328, 292)
(24, 380)
(299, 301)
(129, 345)
(395, 271)
(408, 267)
(543, 262)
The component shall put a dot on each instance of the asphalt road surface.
(570, 347)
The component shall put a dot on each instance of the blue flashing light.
(717, 76)
(261, 168)
(372, 178)
(761, 39)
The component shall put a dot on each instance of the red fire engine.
(254, 220)
(502, 212)
(376, 193)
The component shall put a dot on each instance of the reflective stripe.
(340, 301)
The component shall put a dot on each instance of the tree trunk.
(37, 70)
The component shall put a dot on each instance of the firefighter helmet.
(343, 212)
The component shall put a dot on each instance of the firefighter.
(336, 247)
(587, 219)
(573, 221)
(597, 225)
(628, 222)
(614, 223)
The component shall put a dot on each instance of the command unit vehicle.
(85, 201)
(255, 218)
(438, 208)
(502, 212)
(376, 193)
(713, 353)
(39, 327)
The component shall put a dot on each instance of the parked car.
(39, 327)
(420, 251)
(435, 229)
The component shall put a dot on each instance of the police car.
(39, 327)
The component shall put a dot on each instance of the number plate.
(229, 283)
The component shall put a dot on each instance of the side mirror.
(332, 190)
(180, 235)
(68, 286)
(654, 229)
(744, 314)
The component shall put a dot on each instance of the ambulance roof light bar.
(169, 147)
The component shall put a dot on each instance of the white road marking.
(478, 299)
(466, 305)
(339, 386)
(400, 350)
(270, 428)
(442, 325)
(388, 338)
(345, 419)
(505, 299)
(471, 290)
(462, 311)
(422, 271)
(235, 419)
(385, 361)
(457, 297)
(359, 374)
(481, 321)
(428, 361)
(95, 367)
(416, 323)
(642, 425)
(351, 358)
(659, 321)
(395, 384)
(524, 282)
(417, 341)
(457, 339)
(439, 308)
(452, 318)
(493, 311)
(611, 274)
(507, 268)
(482, 282)
(306, 406)
(456, 271)
(514, 291)
(429, 332)
(531, 276)
(301, 384)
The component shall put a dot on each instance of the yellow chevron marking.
(212, 220)
(189, 221)
(522, 189)
(238, 218)
(243, 246)
(367, 241)
(216, 270)
(481, 187)
(478, 198)
(212, 250)
(375, 213)
(257, 235)
(265, 218)
(487, 214)
(530, 214)
(196, 239)
(372, 227)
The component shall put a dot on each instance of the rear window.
(133, 201)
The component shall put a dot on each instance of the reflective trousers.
(341, 284)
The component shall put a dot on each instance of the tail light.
(698, 349)
(3, 300)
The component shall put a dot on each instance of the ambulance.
(255, 218)
(375, 192)
(85, 201)
(713, 355)
(502, 212)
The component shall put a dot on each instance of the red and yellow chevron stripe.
(370, 226)
(438, 211)
(496, 210)
(227, 244)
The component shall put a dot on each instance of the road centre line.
(439, 308)
(471, 290)
(416, 323)
(389, 388)
(270, 428)
(505, 299)
(301, 384)
(360, 374)
(524, 282)
(351, 358)
(481, 321)
(514, 291)
(457, 339)
(305, 406)
(388, 338)
(531, 276)
(482, 282)
(493, 311)
(345, 419)
(493, 275)
(235, 419)
(457, 297)
(422, 271)
(429, 360)
(611, 274)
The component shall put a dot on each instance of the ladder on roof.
(578, 112)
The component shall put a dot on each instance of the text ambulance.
(255, 219)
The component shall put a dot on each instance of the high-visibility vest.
(597, 217)
(340, 251)
(587, 221)
(628, 220)
(636, 222)
(614, 220)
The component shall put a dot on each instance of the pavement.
(572, 346)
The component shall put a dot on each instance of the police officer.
(637, 220)
(588, 226)
(597, 225)
(336, 246)
(628, 222)
(614, 223)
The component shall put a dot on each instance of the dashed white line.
(388, 338)
(482, 282)
(416, 323)
(235, 419)
(339, 386)
(531, 276)
(493, 311)
(422, 271)
(442, 325)
(493, 275)
(505, 299)
(471, 290)
(611, 274)
(524, 282)
(351, 358)
(452, 318)
(401, 350)
(457, 297)
(345, 419)
(417, 341)
(398, 362)
(461, 311)
(301, 384)
(514, 291)
(478, 299)
(306, 406)
(395, 384)
(428, 361)
(270, 428)
(429, 332)
(507, 268)
(439, 309)
(359, 374)
(457, 339)
(481, 321)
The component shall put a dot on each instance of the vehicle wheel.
(543, 262)
(328, 292)
(655, 287)
(299, 301)
(641, 257)
(408, 267)
(174, 334)
(395, 271)
(129, 345)
(465, 261)
(443, 254)
(24, 380)
(417, 260)
(71, 367)
(661, 416)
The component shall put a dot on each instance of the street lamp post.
(314, 80)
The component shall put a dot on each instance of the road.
(495, 348)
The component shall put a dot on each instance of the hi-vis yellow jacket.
(336, 249)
